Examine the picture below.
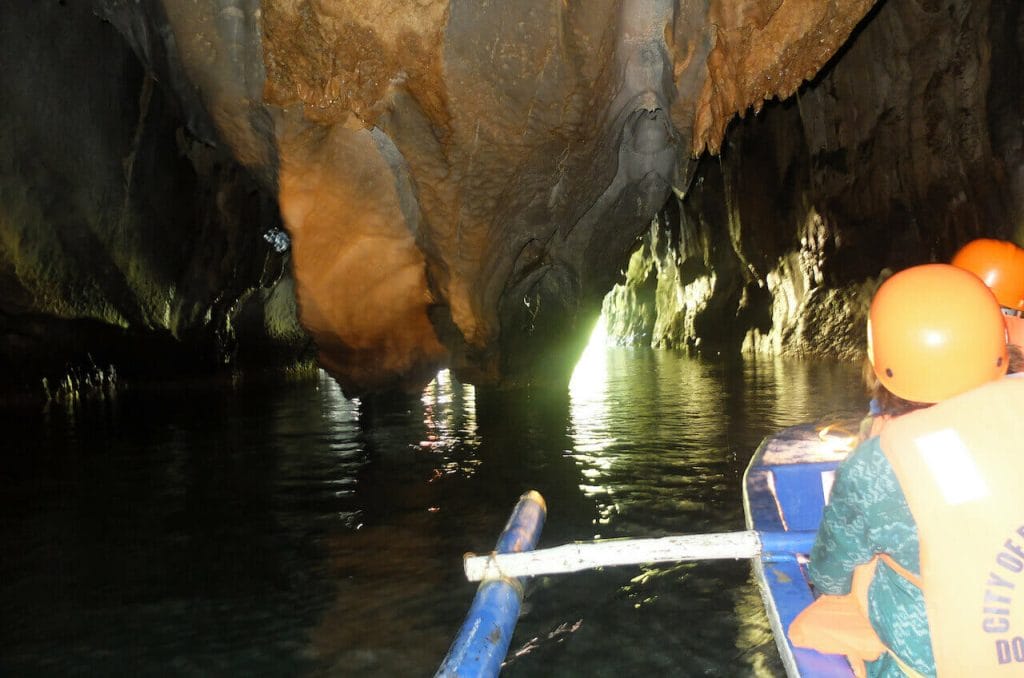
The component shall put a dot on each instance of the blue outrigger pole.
(483, 640)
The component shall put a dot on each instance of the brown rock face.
(463, 181)
(906, 147)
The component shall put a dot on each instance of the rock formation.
(126, 238)
(905, 147)
(462, 182)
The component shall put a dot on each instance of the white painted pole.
(585, 555)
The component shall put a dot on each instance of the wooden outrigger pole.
(609, 552)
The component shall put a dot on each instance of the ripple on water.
(291, 531)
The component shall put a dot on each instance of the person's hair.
(892, 405)
(889, 404)
(1016, 363)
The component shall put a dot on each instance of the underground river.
(268, 529)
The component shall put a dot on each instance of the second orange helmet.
(1000, 264)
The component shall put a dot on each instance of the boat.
(785, 488)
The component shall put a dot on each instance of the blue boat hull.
(784, 491)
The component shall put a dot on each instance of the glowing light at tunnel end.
(591, 372)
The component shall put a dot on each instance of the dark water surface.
(284, 530)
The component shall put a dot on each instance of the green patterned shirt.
(867, 514)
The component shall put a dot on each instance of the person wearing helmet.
(1000, 265)
(920, 551)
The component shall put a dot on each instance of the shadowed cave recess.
(391, 188)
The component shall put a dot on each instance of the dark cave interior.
(462, 185)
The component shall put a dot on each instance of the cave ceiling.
(463, 181)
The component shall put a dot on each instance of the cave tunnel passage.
(285, 526)
(135, 225)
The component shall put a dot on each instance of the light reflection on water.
(449, 419)
(288, 530)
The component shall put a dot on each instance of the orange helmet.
(935, 331)
(1000, 264)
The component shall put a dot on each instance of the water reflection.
(661, 442)
(288, 530)
(423, 506)
(449, 418)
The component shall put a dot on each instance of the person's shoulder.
(865, 452)
(866, 461)
(867, 475)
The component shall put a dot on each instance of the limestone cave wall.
(463, 180)
(402, 187)
(905, 147)
(131, 241)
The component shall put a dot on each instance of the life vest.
(961, 467)
(960, 464)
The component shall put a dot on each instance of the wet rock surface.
(461, 183)
(126, 238)
(495, 165)
(904, 148)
